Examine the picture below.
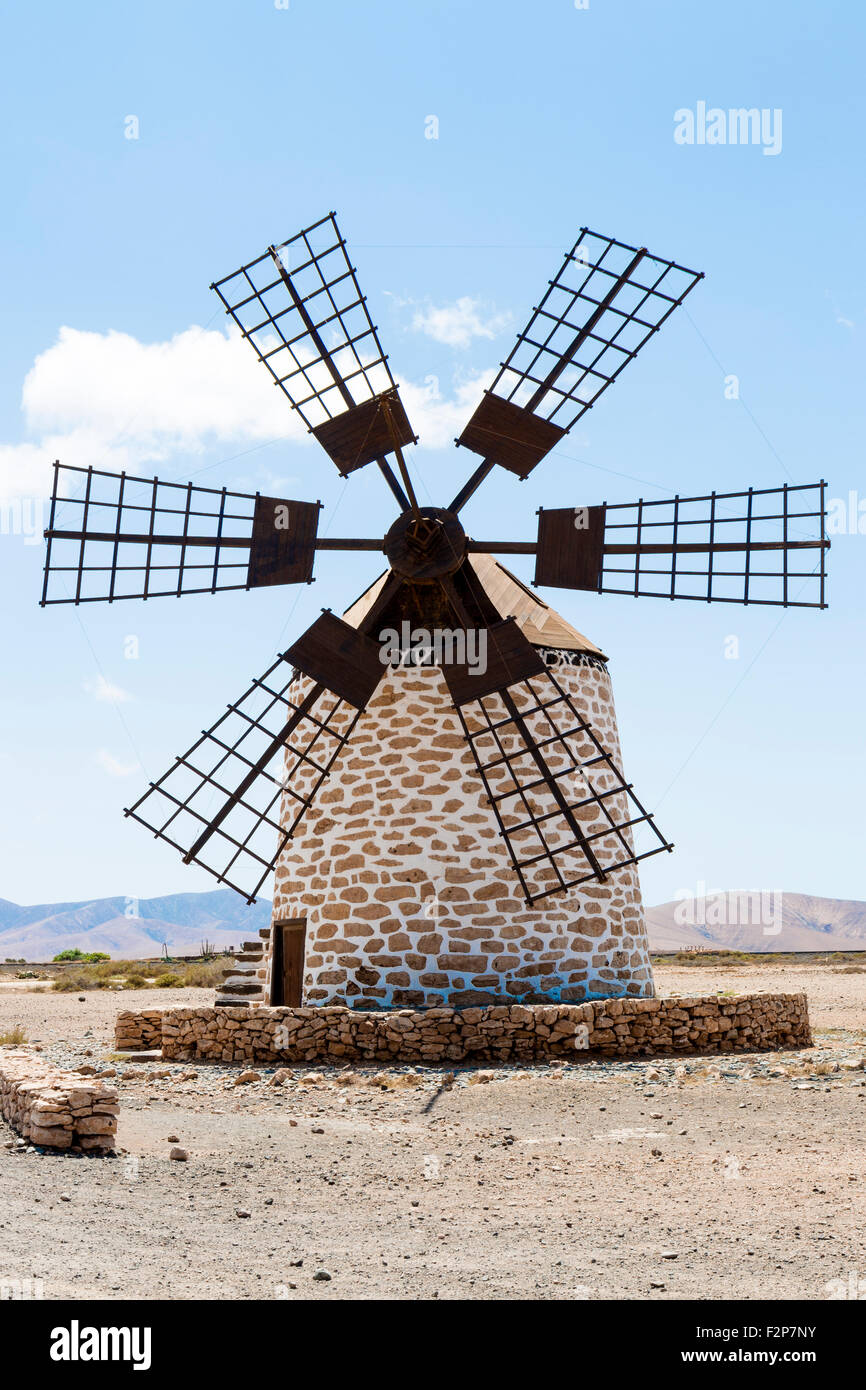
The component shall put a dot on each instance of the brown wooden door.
(288, 967)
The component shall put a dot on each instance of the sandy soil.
(736, 1177)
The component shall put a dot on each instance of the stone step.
(251, 946)
(241, 987)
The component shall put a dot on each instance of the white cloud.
(103, 690)
(109, 400)
(438, 419)
(113, 766)
(200, 385)
(456, 324)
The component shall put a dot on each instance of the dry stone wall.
(56, 1109)
(139, 1031)
(503, 1033)
(407, 887)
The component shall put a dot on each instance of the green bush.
(73, 953)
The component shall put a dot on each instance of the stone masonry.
(406, 885)
(54, 1108)
(500, 1033)
(138, 1031)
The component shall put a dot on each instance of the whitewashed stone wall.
(407, 886)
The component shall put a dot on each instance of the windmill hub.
(425, 546)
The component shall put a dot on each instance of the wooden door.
(287, 974)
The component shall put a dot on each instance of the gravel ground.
(673, 1178)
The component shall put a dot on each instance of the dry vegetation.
(138, 974)
(78, 977)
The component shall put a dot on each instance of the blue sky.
(252, 122)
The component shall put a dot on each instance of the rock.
(242, 1212)
(481, 1078)
(65, 1197)
(51, 1138)
(653, 1074)
(95, 1124)
(179, 1155)
(670, 1254)
(246, 1076)
(322, 1276)
(172, 1139)
(281, 1076)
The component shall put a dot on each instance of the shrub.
(12, 1036)
(73, 953)
(204, 974)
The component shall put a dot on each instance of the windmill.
(558, 809)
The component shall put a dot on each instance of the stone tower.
(397, 890)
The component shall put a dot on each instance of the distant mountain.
(125, 928)
(740, 921)
(732, 921)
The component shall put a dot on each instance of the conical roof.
(540, 623)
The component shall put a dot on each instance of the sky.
(149, 150)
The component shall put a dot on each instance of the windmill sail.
(605, 302)
(300, 306)
(762, 546)
(114, 536)
(231, 803)
(563, 807)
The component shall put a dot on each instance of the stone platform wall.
(54, 1108)
(516, 1032)
(138, 1031)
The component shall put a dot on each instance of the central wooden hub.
(425, 549)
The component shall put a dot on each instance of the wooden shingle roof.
(540, 623)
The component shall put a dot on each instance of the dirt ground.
(671, 1178)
